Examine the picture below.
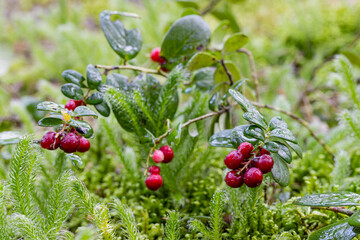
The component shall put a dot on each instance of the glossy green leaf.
(82, 111)
(272, 147)
(72, 91)
(103, 108)
(234, 42)
(280, 171)
(72, 76)
(277, 122)
(221, 76)
(117, 80)
(49, 106)
(175, 135)
(284, 134)
(189, 11)
(242, 101)
(76, 161)
(219, 34)
(212, 101)
(254, 132)
(185, 36)
(284, 152)
(193, 131)
(354, 220)
(204, 78)
(82, 127)
(330, 199)
(238, 136)
(255, 118)
(93, 76)
(200, 60)
(126, 43)
(340, 230)
(222, 139)
(95, 98)
(9, 137)
(296, 147)
(50, 121)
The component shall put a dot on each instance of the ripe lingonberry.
(155, 56)
(154, 170)
(168, 153)
(154, 182)
(234, 159)
(49, 142)
(253, 177)
(84, 145)
(263, 151)
(72, 104)
(245, 149)
(158, 156)
(264, 163)
(233, 180)
(70, 143)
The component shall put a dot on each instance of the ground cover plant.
(210, 120)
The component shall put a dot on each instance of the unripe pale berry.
(253, 177)
(168, 153)
(245, 149)
(264, 163)
(49, 142)
(234, 160)
(154, 170)
(84, 145)
(154, 182)
(70, 143)
(233, 180)
(158, 156)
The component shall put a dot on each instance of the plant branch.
(130, 67)
(209, 7)
(302, 122)
(253, 71)
(228, 73)
(336, 210)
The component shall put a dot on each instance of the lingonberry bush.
(159, 152)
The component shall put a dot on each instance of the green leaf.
(8, 137)
(353, 57)
(50, 121)
(72, 91)
(204, 78)
(82, 127)
(103, 108)
(213, 100)
(284, 134)
(76, 161)
(255, 118)
(222, 139)
(93, 76)
(95, 98)
(175, 135)
(330, 199)
(280, 171)
(296, 147)
(234, 42)
(242, 101)
(284, 152)
(126, 43)
(238, 137)
(272, 147)
(185, 36)
(221, 76)
(340, 230)
(255, 132)
(219, 34)
(189, 11)
(277, 122)
(49, 106)
(117, 80)
(84, 111)
(72, 76)
(354, 220)
(200, 60)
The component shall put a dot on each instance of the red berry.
(164, 69)
(84, 145)
(265, 163)
(234, 160)
(253, 177)
(233, 180)
(154, 170)
(168, 153)
(72, 104)
(263, 151)
(49, 142)
(155, 54)
(70, 143)
(154, 182)
(245, 149)
(158, 156)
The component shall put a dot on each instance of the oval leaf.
(200, 60)
(238, 137)
(219, 34)
(339, 230)
(277, 122)
(82, 127)
(280, 171)
(50, 121)
(49, 106)
(255, 118)
(84, 111)
(284, 152)
(76, 161)
(95, 98)
(93, 76)
(284, 134)
(234, 42)
(296, 147)
(329, 199)
(242, 101)
(221, 139)
(117, 80)
(72, 76)
(103, 108)
(271, 147)
(255, 132)
(72, 91)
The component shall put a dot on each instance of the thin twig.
(336, 209)
(209, 7)
(253, 71)
(302, 122)
(228, 73)
(130, 67)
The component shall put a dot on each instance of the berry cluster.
(248, 166)
(67, 139)
(155, 56)
(164, 155)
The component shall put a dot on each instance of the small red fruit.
(264, 163)
(168, 153)
(84, 145)
(233, 180)
(155, 56)
(49, 142)
(158, 156)
(154, 182)
(72, 104)
(154, 170)
(70, 143)
(263, 151)
(234, 159)
(253, 177)
(245, 149)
